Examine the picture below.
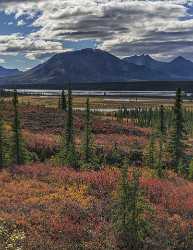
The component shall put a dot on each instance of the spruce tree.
(1, 144)
(177, 145)
(2, 139)
(69, 122)
(131, 227)
(59, 103)
(190, 171)
(63, 101)
(5, 146)
(162, 123)
(160, 164)
(136, 154)
(20, 155)
(151, 152)
(70, 150)
(87, 147)
(115, 157)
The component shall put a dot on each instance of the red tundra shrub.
(60, 208)
(43, 144)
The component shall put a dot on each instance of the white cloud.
(120, 26)
(2, 61)
(21, 23)
(32, 48)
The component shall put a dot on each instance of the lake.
(99, 93)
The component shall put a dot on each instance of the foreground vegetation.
(89, 180)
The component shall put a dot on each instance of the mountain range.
(8, 72)
(94, 66)
(178, 69)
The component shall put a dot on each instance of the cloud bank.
(163, 29)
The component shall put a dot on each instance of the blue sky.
(32, 31)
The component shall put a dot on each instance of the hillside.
(99, 70)
(4, 72)
(178, 69)
(84, 66)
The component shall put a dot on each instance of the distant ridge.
(144, 60)
(93, 67)
(178, 69)
(4, 72)
(83, 66)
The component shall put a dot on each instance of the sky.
(32, 31)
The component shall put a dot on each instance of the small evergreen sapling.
(151, 152)
(190, 171)
(129, 221)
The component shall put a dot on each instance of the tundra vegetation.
(83, 179)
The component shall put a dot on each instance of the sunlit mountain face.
(32, 31)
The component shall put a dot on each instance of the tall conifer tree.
(160, 164)
(162, 123)
(177, 145)
(70, 150)
(19, 151)
(69, 122)
(2, 139)
(1, 144)
(87, 147)
(59, 103)
(63, 101)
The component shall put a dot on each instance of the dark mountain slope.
(8, 72)
(83, 66)
(178, 69)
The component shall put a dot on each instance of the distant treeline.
(112, 86)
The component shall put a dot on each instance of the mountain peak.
(81, 53)
(97, 66)
(179, 59)
(91, 50)
(86, 66)
(4, 72)
(140, 60)
(88, 51)
(146, 56)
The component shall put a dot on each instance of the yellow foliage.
(53, 197)
(7, 127)
(79, 194)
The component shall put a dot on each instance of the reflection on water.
(99, 93)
